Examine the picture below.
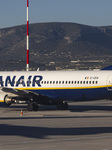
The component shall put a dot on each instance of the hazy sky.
(89, 12)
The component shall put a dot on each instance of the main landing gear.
(62, 106)
(32, 106)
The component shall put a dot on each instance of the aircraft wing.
(14, 91)
(23, 95)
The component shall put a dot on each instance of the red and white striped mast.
(27, 65)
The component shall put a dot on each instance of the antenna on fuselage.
(27, 41)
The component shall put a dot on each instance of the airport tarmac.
(85, 126)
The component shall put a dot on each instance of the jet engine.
(8, 100)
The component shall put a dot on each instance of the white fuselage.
(66, 85)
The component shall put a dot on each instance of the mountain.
(56, 46)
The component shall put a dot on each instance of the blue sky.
(89, 12)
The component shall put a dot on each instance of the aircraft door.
(109, 83)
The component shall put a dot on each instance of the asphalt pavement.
(85, 126)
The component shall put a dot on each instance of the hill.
(56, 46)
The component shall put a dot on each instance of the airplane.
(54, 87)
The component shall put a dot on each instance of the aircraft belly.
(76, 94)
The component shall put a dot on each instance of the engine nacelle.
(8, 100)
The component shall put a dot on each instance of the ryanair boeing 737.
(54, 87)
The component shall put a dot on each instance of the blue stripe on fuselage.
(76, 94)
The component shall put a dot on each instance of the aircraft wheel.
(32, 107)
(65, 106)
(62, 106)
(35, 107)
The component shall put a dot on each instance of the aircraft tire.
(62, 106)
(32, 107)
(65, 106)
(35, 107)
